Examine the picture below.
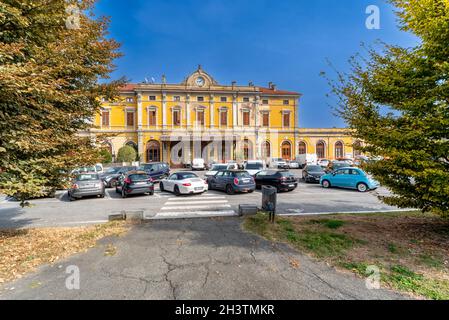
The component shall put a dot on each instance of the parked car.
(323, 163)
(312, 173)
(156, 170)
(232, 181)
(347, 160)
(198, 164)
(184, 183)
(294, 164)
(348, 177)
(219, 167)
(283, 180)
(335, 165)
(254, 166)
(86, 184)
(134, 182)
(112, 174)
(278, 163)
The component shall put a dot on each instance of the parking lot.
(306, 199)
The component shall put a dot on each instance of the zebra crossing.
(205, 205)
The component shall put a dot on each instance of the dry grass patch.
(411, 249)
(21, 251)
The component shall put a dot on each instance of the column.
(188, 124)
(234, 110)
(212, 111)
(139, 127)
(256, 128)
(164, 110)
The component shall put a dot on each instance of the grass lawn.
(410, 249)
(21, 251)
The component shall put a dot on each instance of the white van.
(198, 164)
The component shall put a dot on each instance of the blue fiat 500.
(351, 178)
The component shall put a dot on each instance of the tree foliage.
(397, 101)
(49, 89)
(126, 154)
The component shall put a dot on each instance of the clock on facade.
(200, 81)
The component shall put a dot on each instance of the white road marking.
(198, 199)
(197, 202)
(195, 207)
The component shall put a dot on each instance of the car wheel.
(102, 195)
(176, 191)
(362, 187)
(326, 184)
(230, 189)
(72, 199)
(151, 193)
(250, 191)
(123, 194)
(161, 186)
(113, 184)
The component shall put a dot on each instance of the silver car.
(86, 184)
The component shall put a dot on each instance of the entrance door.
(286, 150)
(153, 151)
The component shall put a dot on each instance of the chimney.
(273, 86)
(251, 84)
(233, 83)
(270, 84)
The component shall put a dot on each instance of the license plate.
(245, 180)
(198, 188)
(291, 185)
(140, 183)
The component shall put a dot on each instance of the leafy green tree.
(52, 55)
(106, 156)
(126, 154)
(397, 102)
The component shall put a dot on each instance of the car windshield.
(242, 174)
(87, 177)
(314, 169)
(254, 166)
(112, 170)
(138, 177)
(147, 167)
(286, 174)
(217, 167)
(187, 175)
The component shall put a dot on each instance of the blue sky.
(284, 41)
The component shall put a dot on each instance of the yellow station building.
(200, 118)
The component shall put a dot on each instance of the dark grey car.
(111, 175)
(85, 185)
(312, 173)
(232, 181)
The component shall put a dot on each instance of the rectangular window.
(265, 119)
(286, 102)
(105, 118)
(246, 118)
(223, 99)
(130, 119)
(265, 101)
(286, 119)
(200, 99)
(176, 98)
(152, 117)
(200, 117)
(224, 118)
(176, 117)
(152, 98)
(246, 99)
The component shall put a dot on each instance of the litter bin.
(269, 198)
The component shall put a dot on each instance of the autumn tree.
(52, 55)
(397, 101)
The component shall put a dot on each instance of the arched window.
(286, 150)
(247, 149)
(266, 150)
(153, 151)
(321, 150)
(356, 146)
(302, 147)
(339, 152)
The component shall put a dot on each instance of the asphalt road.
(306, 199)
(192, 259)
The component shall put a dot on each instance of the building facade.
(200, 118)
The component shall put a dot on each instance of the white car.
(220, 167)
(278, 163)
(254, 166)
(184, 183)
(323, 163)
(198, 164)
